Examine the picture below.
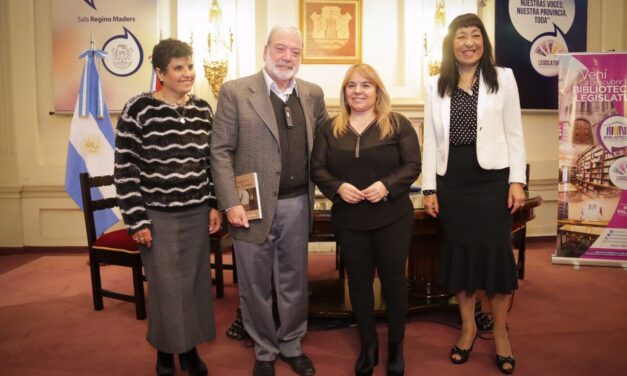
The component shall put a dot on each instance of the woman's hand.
(143, 237)
(376, 192)
(516, 197)
(430, 203)
(350, 194)
(215, 221)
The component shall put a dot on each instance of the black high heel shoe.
(165, 364)
(463, 354)
(503, 360)
(368, 359)
(396, 362)
(191, 362)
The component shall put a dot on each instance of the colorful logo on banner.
(613, 133)
(544, 24)
(528, 38)
(618, 173)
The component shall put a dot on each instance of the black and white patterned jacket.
(162, 158)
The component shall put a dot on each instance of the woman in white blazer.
(473, 173)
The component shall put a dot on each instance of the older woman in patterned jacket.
(165, 193)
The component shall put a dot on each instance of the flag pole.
(91, 141)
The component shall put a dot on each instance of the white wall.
(392, 42)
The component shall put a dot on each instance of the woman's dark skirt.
(177, 266)
(476, 226)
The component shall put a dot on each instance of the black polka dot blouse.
(464, 115)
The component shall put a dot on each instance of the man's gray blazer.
(245, 139)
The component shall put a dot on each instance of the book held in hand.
(248, 191)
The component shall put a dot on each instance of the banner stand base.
(577, 262)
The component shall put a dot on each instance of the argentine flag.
(91, 144)
(155, 84)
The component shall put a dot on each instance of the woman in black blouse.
(364, 160)
(165, 194)
(473, 173)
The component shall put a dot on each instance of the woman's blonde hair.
(383, 106)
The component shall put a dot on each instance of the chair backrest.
(90, 206)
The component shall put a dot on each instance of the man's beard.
(281, 74)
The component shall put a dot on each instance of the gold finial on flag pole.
(91, 40)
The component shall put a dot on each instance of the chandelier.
(219, 46)
(433, 41)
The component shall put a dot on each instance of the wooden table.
(575, 239)
(330, 299)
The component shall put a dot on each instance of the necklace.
(467, 86)
(360, 123)
(467, 81)
(358, 135)
(175, 105)
(181, 115)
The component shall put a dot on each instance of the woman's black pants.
(384, 249)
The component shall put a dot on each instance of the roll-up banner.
(592, 189)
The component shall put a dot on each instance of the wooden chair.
(114, 248)
(220, 243)
(519, 236)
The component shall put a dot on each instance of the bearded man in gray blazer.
(265, 123)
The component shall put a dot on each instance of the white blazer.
(500, 141)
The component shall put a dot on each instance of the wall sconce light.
(433, 41)
(219, 45)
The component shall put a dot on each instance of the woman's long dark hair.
(449, 75)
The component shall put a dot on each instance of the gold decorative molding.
(10, 191)
(44, 191)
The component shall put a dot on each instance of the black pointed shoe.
(165, 364)
(368, 359)
(396, 361)
(300, 364)
(263, 368)
(191, 362)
